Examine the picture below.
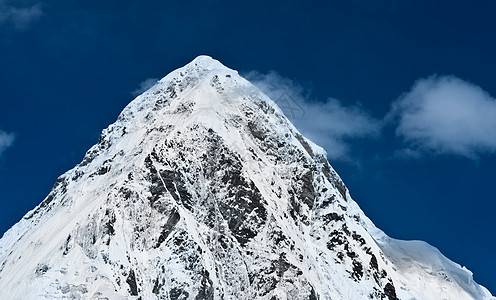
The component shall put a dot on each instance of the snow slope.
(202, 189)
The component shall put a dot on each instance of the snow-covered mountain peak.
(198, 67)
(202, 189)
(206, 62)
(206, 93)
(203, 73)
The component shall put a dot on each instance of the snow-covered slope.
(202, 189)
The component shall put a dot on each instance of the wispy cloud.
(6, 140)
(330, 124)
(20, 17)
(144, 85)
(446, 115)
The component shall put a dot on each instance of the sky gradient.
(401, 95)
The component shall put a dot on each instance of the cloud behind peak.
(446, 115)
(6, 140)
(20, 17)
(329, 123)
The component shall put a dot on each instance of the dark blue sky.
(67, 68)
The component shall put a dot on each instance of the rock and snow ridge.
(202, 189)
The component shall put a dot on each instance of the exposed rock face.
(202, 189)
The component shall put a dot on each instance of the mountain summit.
(202, 189)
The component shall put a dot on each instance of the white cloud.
(144, 85)
(6, 140)
(20, 17)
(446, 115)
(330, 124)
